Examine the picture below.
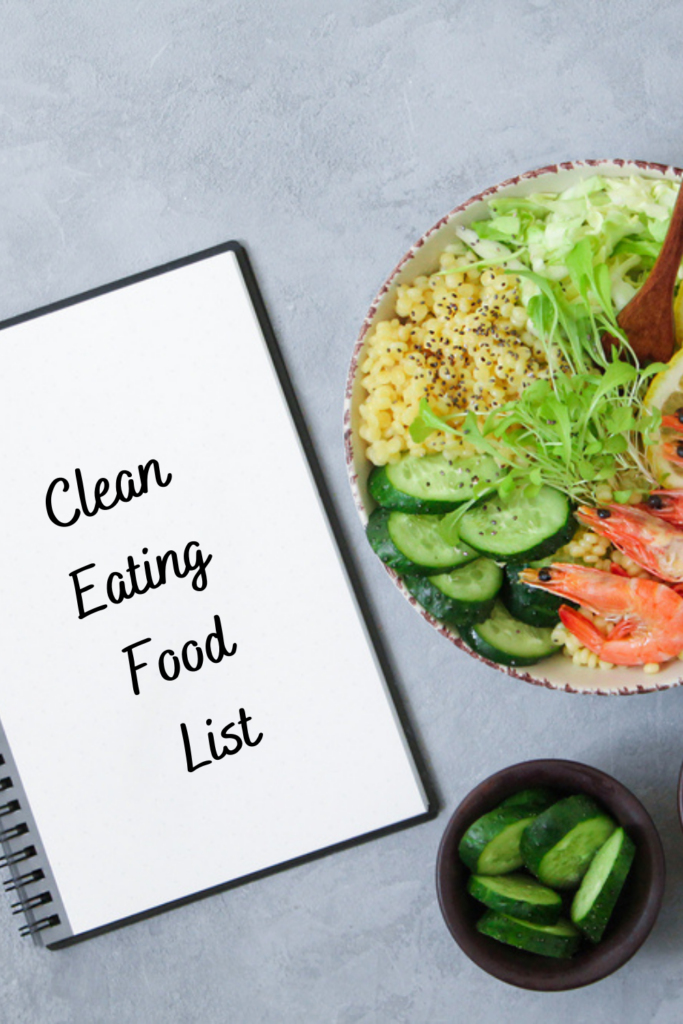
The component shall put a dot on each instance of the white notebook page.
(175, 369)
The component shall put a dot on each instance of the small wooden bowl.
(633, 917)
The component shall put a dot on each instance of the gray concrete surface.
(327, 138)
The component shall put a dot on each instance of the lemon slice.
(666, 394)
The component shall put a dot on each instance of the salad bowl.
(558, 671)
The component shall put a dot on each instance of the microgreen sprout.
(462, 268)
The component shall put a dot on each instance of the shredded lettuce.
(623, 219)
(593, 244)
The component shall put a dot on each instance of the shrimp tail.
(623, 630)
(583, 629)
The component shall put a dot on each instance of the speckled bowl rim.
(642, 683)
(524, 970)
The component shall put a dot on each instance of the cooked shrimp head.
(651, 542)
(648, 615)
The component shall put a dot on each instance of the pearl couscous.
(459, 340)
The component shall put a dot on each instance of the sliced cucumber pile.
(433, 483)
(529, 604)
(519, 529)
(413, 543)
(559, 940)
(507, 641)
(459, 583)
(463, 596)
(602, 884)
(562, 841)
(536, 798)
(566, 843)
(518, 896)
(491, 845)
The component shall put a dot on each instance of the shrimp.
(666, 505)
(651, 542)
(674, 421)
(672, 450)
(650, 614)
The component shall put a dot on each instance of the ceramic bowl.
(632, 919)
(422, 258)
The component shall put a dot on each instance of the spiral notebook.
(193, 693)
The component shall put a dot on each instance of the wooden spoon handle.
(663, 274)
(648, 319)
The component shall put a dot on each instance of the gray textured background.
(327, 139)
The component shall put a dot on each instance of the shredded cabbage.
(625, 220)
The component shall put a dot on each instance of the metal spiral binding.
(16, 830)
(39, 900)
(39, 926)
(12, 884)
(20, 881)
(9, 859)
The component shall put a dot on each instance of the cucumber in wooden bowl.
(491, 845)
(560, 940)
(543, 959)
(560, 843)
(536, 798)
(601, 887)
(432, 483)
(518, 896)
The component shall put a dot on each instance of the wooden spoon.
(648, 319)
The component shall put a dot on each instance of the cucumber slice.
(536, 798)
(490, 846)
(560, 843)
(559, 940)
(432, 483)
(519, 529)
(598, 893)
(528, 604)
(518, 896)
(413, 544)
(463, 596)
(508, 641)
